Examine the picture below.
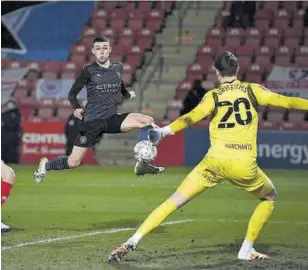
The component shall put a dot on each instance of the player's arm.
(125, 93)
(79, 83)
(205, 107)
(266, 97)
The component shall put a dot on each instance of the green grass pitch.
(87, 200)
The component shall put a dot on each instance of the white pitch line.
(49, 240)
(116, 230)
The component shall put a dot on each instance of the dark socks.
(60, 163)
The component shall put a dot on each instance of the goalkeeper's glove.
(156, 134)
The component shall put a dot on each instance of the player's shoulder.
(116, 64)
(88, 66)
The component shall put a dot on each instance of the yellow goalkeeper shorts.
(242, 173)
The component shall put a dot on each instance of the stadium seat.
(205, 56)
(254, 73)
(282, 18)
(272, 38)
(263, 55)
(46, 113)
(79, 49)
(173, 114)
(301, 56)
(214, 37)
(68, 75)
(283, 56)
(100, 14)
(134, 56)
(245, 50)
(119, 14)
(20, 93)
(275, 117)
(136, 15)
(69, 66)
(233, 37)
(145, 42)
(296, 116)
(64, 112)
(253, 37)
(117, 25)
(99, 24)
(47, 102)
(135, 24)
(127, 78)
(89, 31)
(145, 6)
(244, 61)
(78, 59)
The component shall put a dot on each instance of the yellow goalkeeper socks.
(153, 220)
(261, 215)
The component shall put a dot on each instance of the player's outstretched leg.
(144, 123)
(259, 217)
(60, 163)
(7, 181)
(185, 192)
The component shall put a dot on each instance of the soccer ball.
(144, 151)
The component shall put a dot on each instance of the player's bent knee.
(8, 174)
(73, 162)
(179, 199)
(271, 196)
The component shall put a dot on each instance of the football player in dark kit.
(105, 88)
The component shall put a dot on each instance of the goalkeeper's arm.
(266, 97)
(205, 107)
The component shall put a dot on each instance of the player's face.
(101, 50)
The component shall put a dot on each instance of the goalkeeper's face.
(101, 50)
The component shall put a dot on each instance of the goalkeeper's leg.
(267, 194)
(185, 192)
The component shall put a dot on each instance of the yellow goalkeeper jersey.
(234, 109)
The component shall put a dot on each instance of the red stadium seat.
(78, 59)
(69, 66)
(214, 37)
(79, 49)
(51, 66)
(144, 6)
(100, 14)
(50, 75)
(63, 113)
(47, 102)
(283, 56)
(254, 73)
(173, 114)
(282, 19)
(89, 32)
(234, 37)
(99, 24)
(135, 24)
(20, 93)
(119, 14)
(245, 50)
(68, 75)
(263, 55)
(275, 117)
(45, 113)
(272, 38)
(244, 61)
(301, 57)
(117, 25)
(109, 32)
(127, 78)
(136, 15)
(297, 24)
(145, 42)
(296, 116)
(253, 37)
(271, 5)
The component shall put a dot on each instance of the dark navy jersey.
(104, 87)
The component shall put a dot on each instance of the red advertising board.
(46, 139)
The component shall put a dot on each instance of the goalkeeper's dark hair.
(226, 64)
(100, 39)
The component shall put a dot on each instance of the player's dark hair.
(226, 64)
(100, 39)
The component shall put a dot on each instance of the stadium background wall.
(276, 149)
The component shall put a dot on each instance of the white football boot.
(5, 228)
(142, 168)
(118, 253)
(252, 255)
(40, 172)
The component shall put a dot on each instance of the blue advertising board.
(276, 149)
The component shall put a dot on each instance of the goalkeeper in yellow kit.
(232, 155)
